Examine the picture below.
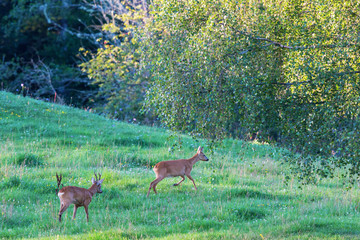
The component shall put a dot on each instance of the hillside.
(241, 194)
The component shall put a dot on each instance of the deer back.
(172, 168)
(75, 195)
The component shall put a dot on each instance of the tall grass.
(241, 193)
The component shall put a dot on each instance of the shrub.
(29, 160)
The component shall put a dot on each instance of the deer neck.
(93, 189)
(194, 159)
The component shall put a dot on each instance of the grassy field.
(241, 194)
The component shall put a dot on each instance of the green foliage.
(117, 70)
(285, 70)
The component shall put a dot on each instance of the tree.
(116, 67)
(44, 29)
(39, 41)
(287, 70)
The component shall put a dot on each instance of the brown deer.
(176, 168)
(78, 196)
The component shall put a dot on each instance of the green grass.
(241, 194)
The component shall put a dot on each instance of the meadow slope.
(241, 194)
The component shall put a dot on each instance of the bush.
(29, 160)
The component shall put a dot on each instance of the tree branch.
(274, 43)
(345, 73)
(78, 34)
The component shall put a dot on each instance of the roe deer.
(78, 196)
(176, 168)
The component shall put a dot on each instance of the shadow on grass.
(121, 199)
(135, 141)
(29, 160)
(168, 231)
(247, 214)
(249, 193)
(15, 222)
(347, 229)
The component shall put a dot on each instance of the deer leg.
(75, 208)
(63, 208)
(87, 212)
(189, 176)
(177, 184)
(153, 185)
(156, 183)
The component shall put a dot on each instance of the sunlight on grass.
(241, 191)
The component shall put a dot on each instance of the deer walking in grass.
(80, 197)
(176, 168)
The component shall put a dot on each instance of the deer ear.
(199, 149)
(93, 180)
(100, 181)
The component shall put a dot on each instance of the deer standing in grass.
(78, 196)
(176, 168)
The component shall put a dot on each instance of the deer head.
(58, 178)
(98, 181)
(201, 155)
